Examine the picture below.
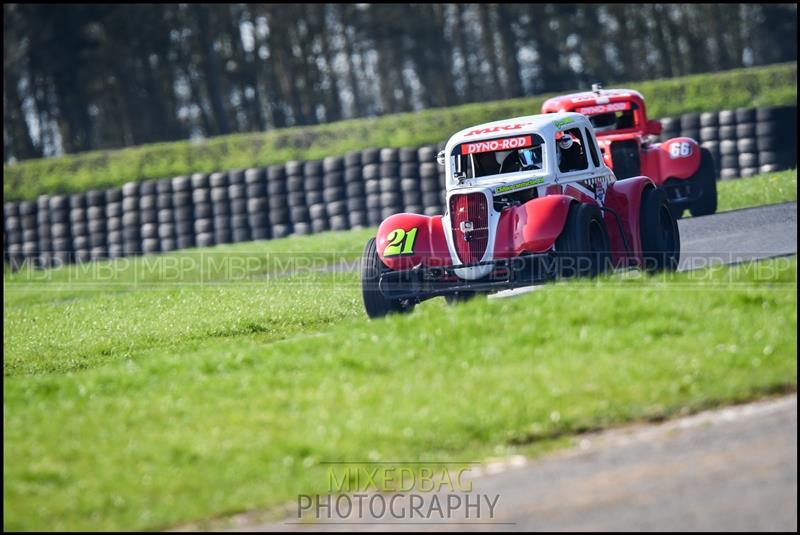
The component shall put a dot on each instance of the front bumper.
(427, 282)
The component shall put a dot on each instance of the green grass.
(761, 86)
(213, 425)
(769, 188)
(145, 392)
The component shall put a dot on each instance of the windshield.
(497, 157)
(616, 116)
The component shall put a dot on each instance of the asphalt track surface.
(731, 469)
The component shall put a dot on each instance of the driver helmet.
(565, 143)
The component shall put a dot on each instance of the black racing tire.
(706, 178)
(661, 242)
(583, 247)
(375, 303)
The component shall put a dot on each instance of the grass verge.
(758, 86)
(769, 188)
(208, 426)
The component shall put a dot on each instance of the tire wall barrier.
(356, 190)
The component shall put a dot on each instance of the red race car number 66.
(680, 149)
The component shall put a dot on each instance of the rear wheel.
(583, 246)
(661, 241)
(375, 303)
(706, 178)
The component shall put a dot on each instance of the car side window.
(592, 148)
(571, 152)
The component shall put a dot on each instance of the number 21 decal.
(400, 242)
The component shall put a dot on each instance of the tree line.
(84, 77)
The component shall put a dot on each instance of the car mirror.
(654, 127)
(440, 158)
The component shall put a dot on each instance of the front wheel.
(661, 240)
(706, 179)
(375, 303)
(583, 246)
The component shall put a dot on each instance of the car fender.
(532, 227)
(624, 197)
(406, 240)
(678, 157)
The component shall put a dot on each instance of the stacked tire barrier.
(356, 190)
(743, 142)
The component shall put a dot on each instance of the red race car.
(626, 138)
(528, 199)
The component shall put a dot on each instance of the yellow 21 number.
(400, 242)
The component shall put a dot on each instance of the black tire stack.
(79, 226)
(776, 138)
(203, 211)
(391, 193)
(431, 187)
(746, 144)
(165, 216)
(277, 197)
(690, 125)
(314, 187)
(410, 180)
(334, 193)
(30, 232)
(729, 155)
(220, 207)
(355, 193)
(131, 236)
(113, 214)
(709, 137)
(13, 234)
(670, 127)
(237, 195)
(148, 217)
(257, 204)
(43, 232)
(371, 172)
(60, 230)
(296, 198)
(183, 212)
(96, 223)
(743, 142)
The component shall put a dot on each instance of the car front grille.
(469, 217)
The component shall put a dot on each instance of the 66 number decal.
(680, 149)
(401, 242)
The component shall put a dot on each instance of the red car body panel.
(532, 227)
(430, 247)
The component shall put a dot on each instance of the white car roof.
(546, 125)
